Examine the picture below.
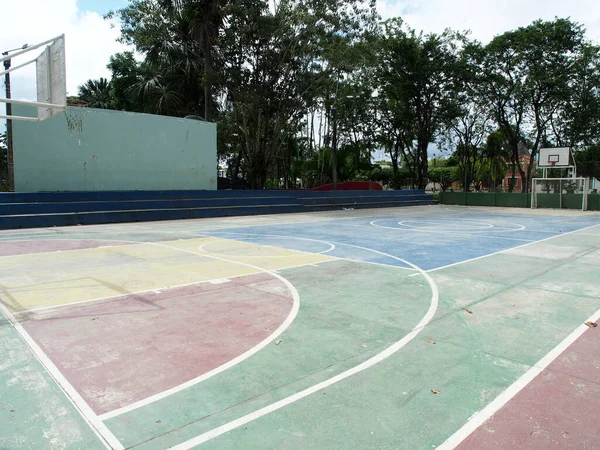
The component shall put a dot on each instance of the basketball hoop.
(75, 113)
(552, 163)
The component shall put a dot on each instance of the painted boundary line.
(229, 364)
(324, 384)
(107, 438)
(512, 248)
(54, 238)
(157, 290)
(203, 250)
(339, 258)
(452, 233)
(482, 416)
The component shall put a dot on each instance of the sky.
(91, 40)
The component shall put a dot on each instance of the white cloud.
(488, 18)
(89, 40)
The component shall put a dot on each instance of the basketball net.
(75, 113)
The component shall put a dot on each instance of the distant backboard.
(50, 78)
(555, 157)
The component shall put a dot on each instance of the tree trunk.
(236, 171)
(394, 157)
(207, 76)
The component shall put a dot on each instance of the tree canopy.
(305, 90)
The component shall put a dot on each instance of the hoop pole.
(24, 118)
(33, 47)
(560, 193)
(12, 69)
(29, 103)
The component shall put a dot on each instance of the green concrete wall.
(116, 151)
(518, 200)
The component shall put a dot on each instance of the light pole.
(9, 133)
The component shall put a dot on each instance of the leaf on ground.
(431, 341)
(469, 311)
(435, 391)
(572, 384)
(277, 342)
(591, 324)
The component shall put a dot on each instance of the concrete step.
(8, 209)
(115, 196)
(99, 217)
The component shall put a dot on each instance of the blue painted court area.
(427, 239)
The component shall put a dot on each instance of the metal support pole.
(560, 193)
(9, 131)
(334, 149)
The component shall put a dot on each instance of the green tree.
(465, 129)
(588, 161)
(96, 93)
(169, 79)
(126, 72)
(493, 166)
(574, 122)
(444, 176)
(205, 19)
(416, 75)
(528, 73)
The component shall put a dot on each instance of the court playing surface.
(410, 328)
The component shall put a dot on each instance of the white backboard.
(554, 157)
(51, 78)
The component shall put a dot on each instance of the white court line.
(284, 325)
(123, 244)
(453, 233)
(446, 222)
(482, 416)
(154, 290)
(108, 439)
(324, 384)
(202, 249)
(237, 233)
(512, 248)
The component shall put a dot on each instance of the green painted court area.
(391, 329)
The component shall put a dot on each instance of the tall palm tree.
(206, 17)
(96, 93)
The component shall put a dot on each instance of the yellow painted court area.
(60, 278)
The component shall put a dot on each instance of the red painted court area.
(121, 351)
(559, 409)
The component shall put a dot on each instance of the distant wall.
(117, 151)
(518, 200)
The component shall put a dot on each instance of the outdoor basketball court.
(400, 328)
